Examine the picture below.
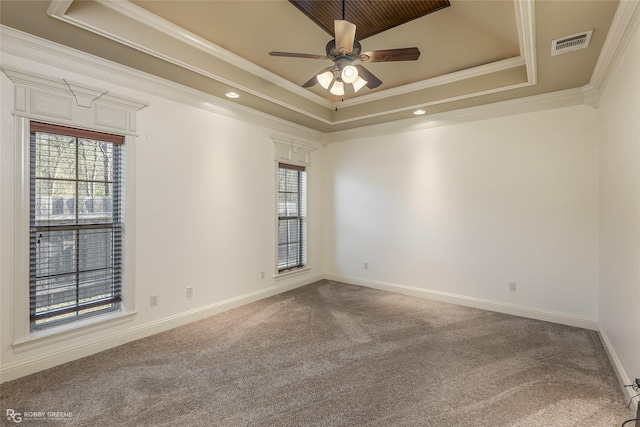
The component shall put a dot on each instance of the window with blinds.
(76, 224)
(292, 213)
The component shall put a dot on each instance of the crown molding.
(590, 95)
(559, 99)
(456, 76)
(17, 46)
(431, 103)
(525, 20)
(525, 23)
(59, 7)
(149, 19)
(625, 23)
(58, 11)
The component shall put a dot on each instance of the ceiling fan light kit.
(344, 50)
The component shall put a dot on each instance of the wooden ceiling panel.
(370, 17)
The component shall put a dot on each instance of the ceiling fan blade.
(372, 81)
(345, 33)
(387, 55)
(298, 55)
(311, 82)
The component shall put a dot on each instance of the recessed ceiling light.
(232, 95)
(419, 112)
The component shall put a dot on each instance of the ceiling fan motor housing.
(333, 53)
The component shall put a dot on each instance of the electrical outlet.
(512, 286)
(366, 265)
(153, 301)
(190, 292)
(262, 274)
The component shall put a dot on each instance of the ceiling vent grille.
(571, 43)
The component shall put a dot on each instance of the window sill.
(72, 330)
(291, 273)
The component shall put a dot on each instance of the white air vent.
(571, 43)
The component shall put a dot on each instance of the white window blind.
(292, 213)
(76, 224)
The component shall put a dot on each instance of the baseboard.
(91, 346)
(485, 304)
(619, 370)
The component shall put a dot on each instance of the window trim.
(304, 267)
(24, 338)
(51, 100)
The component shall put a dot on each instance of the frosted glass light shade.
(325, 79)
(349, 74)
(337, 88)
(359, 84)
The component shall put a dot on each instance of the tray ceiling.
(473, 52)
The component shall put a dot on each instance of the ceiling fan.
(344, 51)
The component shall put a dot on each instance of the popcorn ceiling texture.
(332, 354)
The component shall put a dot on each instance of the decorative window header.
(296, 153)
(61, 101)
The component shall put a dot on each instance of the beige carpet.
(331, 354)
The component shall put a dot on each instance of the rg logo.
(14, 416)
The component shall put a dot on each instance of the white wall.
(619, 292)
(460, 211)
(204, 213)
(454, 213)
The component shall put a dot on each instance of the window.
(76, 224)
(292, 212)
